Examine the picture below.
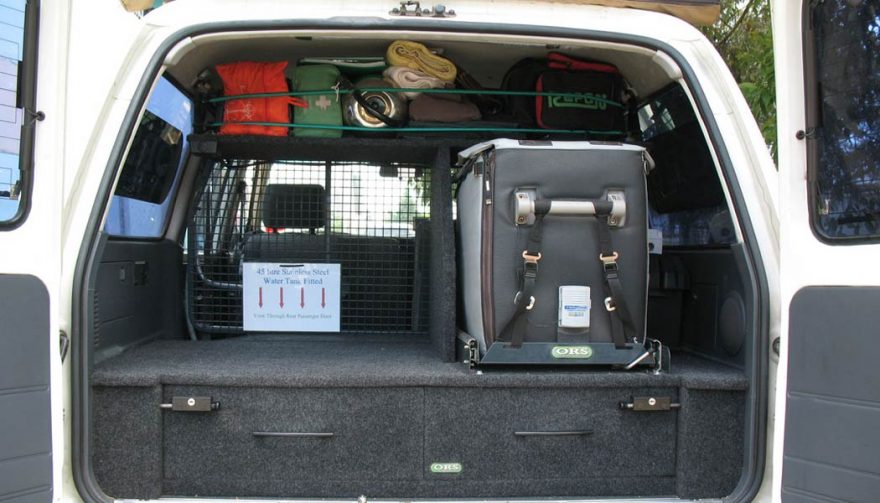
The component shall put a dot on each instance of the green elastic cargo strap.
(418, 90)
(455, 129)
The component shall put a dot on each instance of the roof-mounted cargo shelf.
(348, 149)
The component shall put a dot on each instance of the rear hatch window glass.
(847, 169)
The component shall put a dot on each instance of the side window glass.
(17, 75)
(845, 162)
(151, 171)
(684, 193)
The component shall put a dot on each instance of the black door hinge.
(64, 341)
(33, 117)
(807, 134)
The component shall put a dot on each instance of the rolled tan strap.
(407, 78)
(418, 57)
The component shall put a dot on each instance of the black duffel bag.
(587, 95)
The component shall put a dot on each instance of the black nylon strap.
(533, 247)
(515, 329)
(622, 327)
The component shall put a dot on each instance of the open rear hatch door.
(29, 261)
(828, 84)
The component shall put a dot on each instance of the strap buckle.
(609, 262)
(533, 259)
(530, 264)
(531, 301)
(609, 304)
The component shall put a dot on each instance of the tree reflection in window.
(847, 193)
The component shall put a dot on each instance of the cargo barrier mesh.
(371, 219)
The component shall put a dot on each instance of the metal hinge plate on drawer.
(650, 404)
(191, 404)
(471, 350)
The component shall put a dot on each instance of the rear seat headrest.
(293, 206)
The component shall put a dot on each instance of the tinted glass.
(152, 168)
(684, 193)
(12, 14)
(846, 202)
(152, 161)
(664, 113)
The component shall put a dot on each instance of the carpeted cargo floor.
(365, 361)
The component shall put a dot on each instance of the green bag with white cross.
(324, 109)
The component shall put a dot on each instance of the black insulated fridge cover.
(577, 192)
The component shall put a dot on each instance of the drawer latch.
(650, 404)
(191, 404)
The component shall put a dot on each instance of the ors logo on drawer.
(571, 352)
(445, 467)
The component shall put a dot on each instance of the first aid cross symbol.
(323, 103)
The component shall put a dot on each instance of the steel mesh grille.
(370, 219)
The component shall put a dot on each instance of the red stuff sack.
(250, 77)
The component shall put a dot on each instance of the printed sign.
(290, 297)
(587, 101)
(445, 467)
(571, 352)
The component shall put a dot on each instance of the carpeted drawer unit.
(395, 422)
(417, 442)
(263, 439)
(554, 433)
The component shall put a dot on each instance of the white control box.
(574, 306)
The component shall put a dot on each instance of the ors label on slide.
(572, 352)
(290, 297)
(445, 467)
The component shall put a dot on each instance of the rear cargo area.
(193, 393)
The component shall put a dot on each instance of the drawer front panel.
(363, 434)
(497, 434)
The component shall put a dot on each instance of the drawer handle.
(573, 433)
(294, 434)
